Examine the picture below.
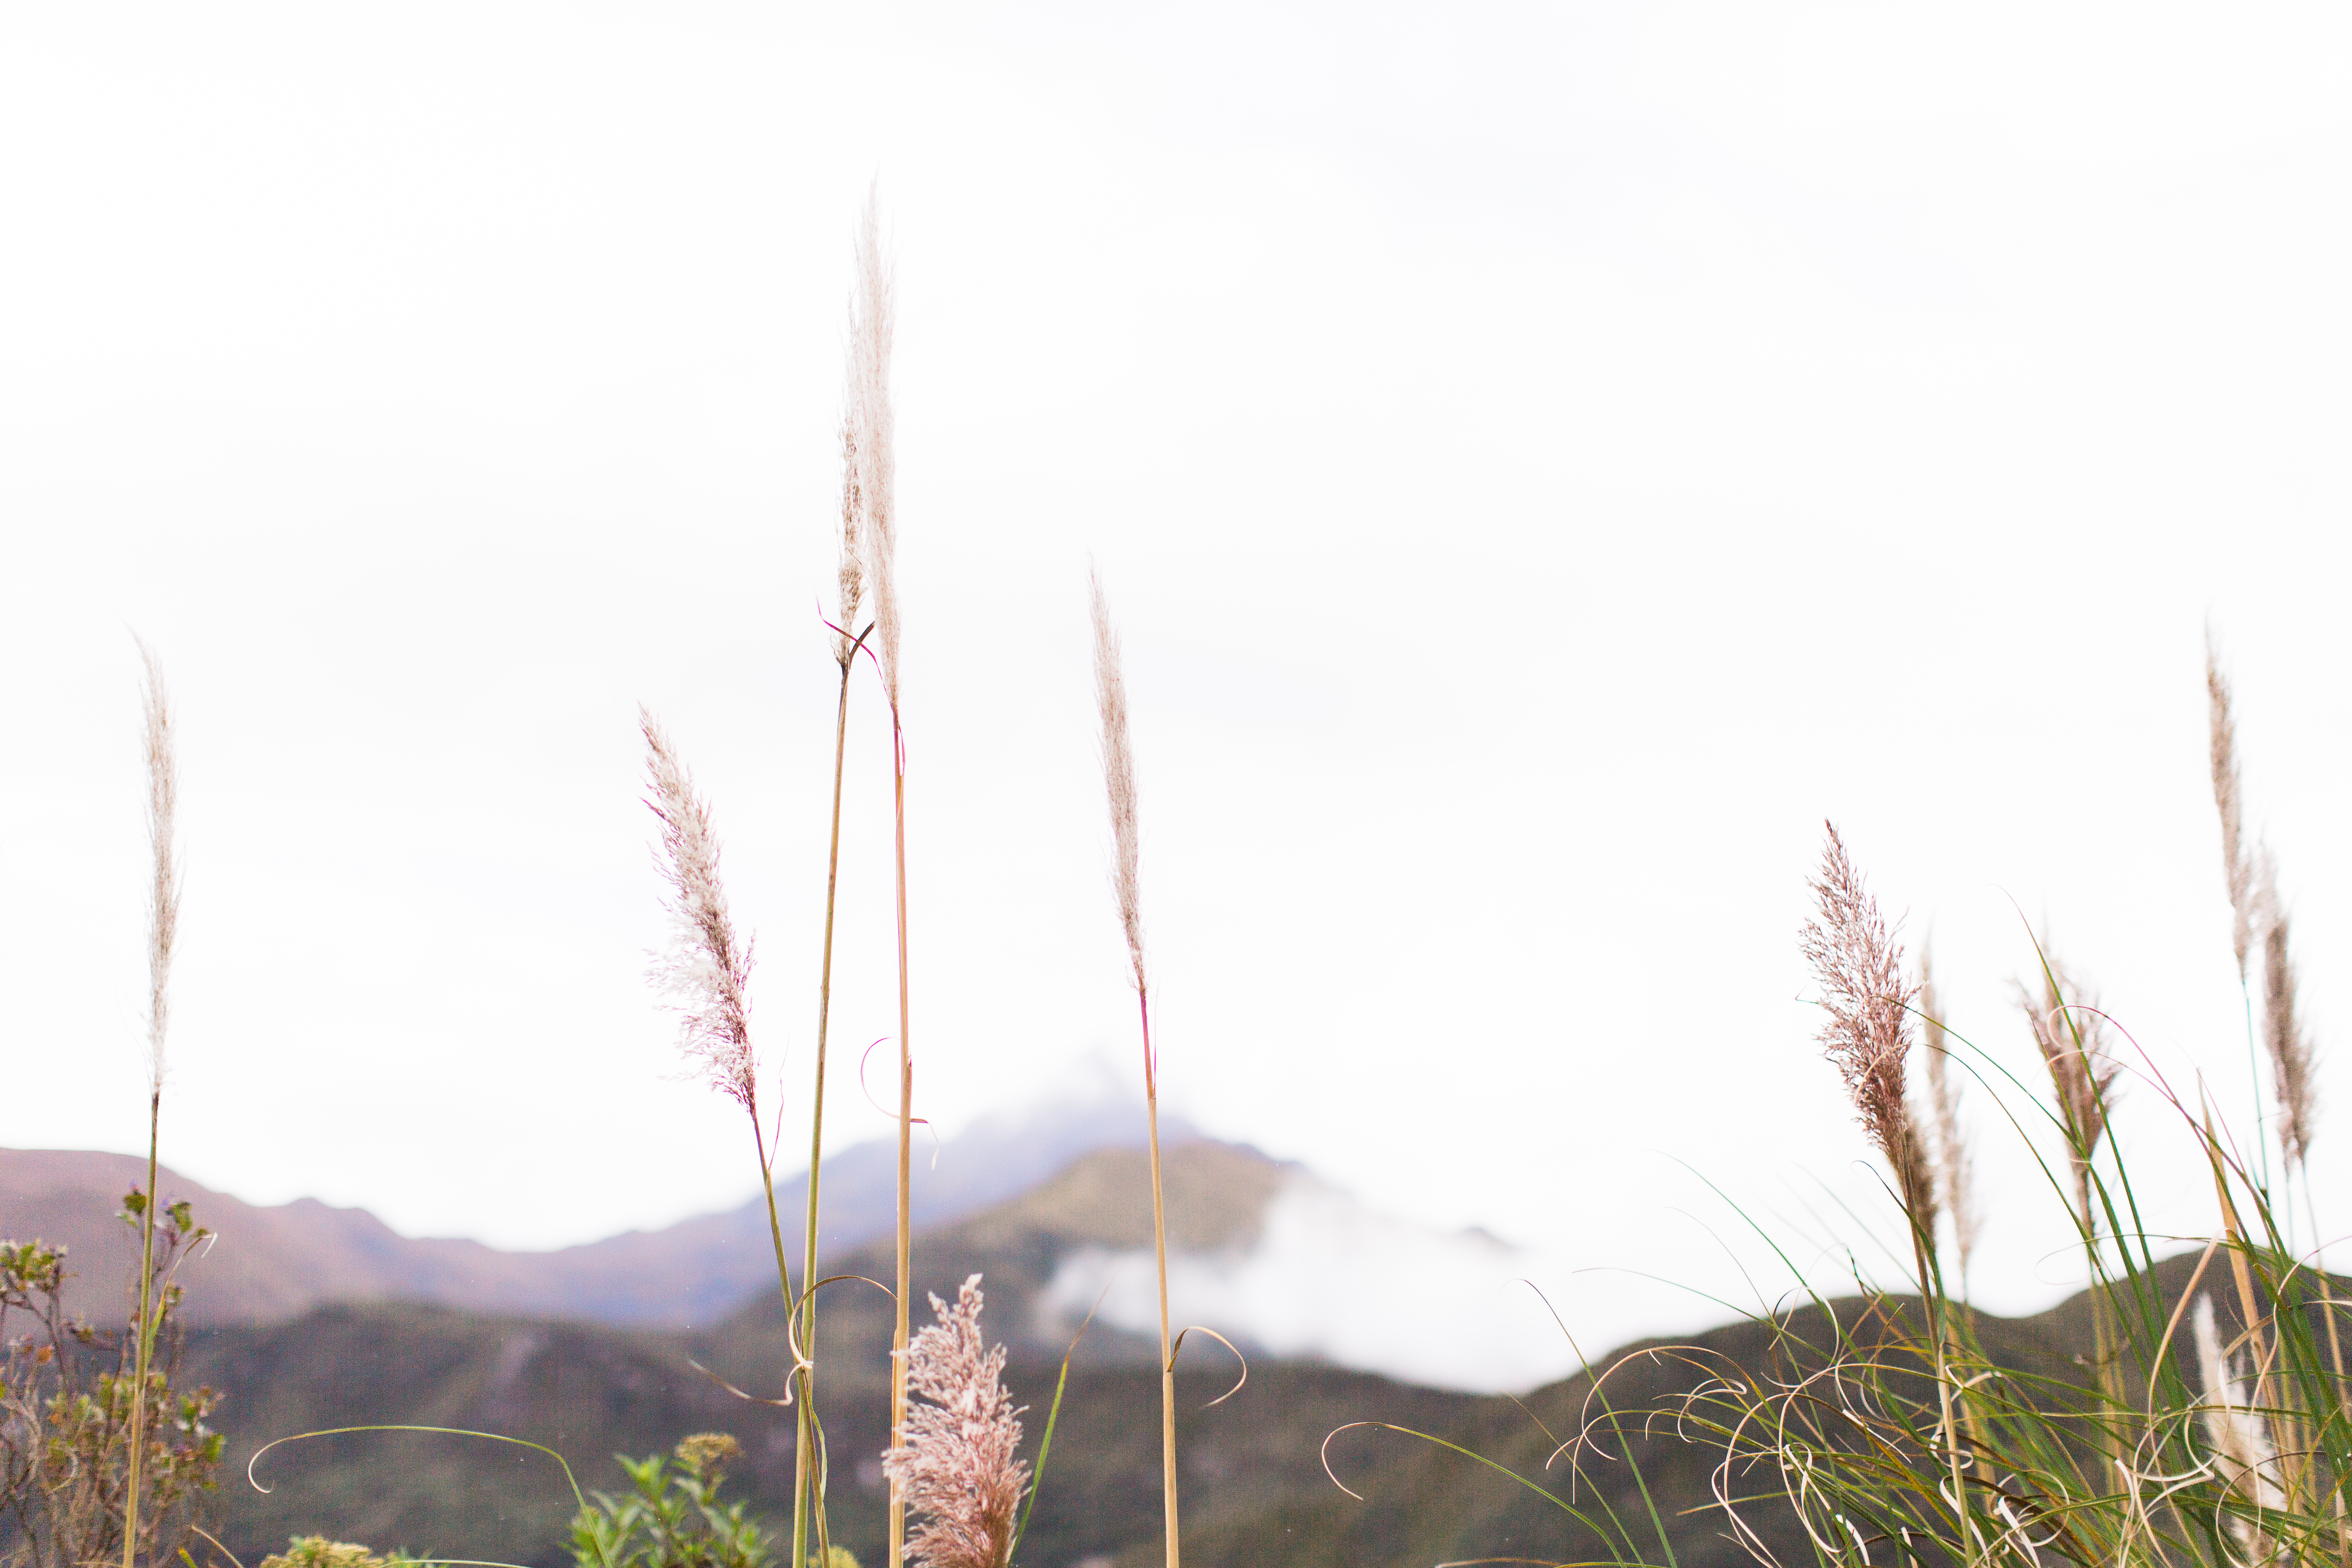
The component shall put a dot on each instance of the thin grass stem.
(805, 1499)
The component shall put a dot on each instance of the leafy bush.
(673, 1519)
(66, 1417)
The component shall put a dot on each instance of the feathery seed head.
(961, 1467)
(1119, 778)
(2236, 865)
(852, 548)
(2072, 1037)
(1868, 1035)
(1954, 1164)
(2292, 1077)
(705, 970)
(868, 444)
(163, 895)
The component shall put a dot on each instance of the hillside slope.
(272, 1262)
(1254, 1490)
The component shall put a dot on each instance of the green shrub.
(672, 1518)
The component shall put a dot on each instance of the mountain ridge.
(272, 1262)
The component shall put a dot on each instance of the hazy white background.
(1545, 460)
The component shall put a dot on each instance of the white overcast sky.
(1545, 459)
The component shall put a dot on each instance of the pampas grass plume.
(2282, 1034)
(2236, 867)
(1868, 1034)
(707, 970)
(163, 904)
(869, 444)
(1119, 779)
(2071, 1038)
(959, 1467)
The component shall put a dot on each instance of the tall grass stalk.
(162, 930)
(1867, 1034)
(707, 970)
(1118, 781)
(873, 449)
(807, 1483)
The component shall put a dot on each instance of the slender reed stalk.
(1118, 782)
(707, 968)
(872, 447)
(163, 931)
(806, 1495)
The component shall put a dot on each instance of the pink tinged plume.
(959, 1469)
(1868, 1032)
(705, 971)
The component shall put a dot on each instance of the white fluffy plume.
(869, 444)
(163, 896)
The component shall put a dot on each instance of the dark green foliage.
(671, 1517)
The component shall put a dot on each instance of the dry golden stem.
(1160, 1247)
